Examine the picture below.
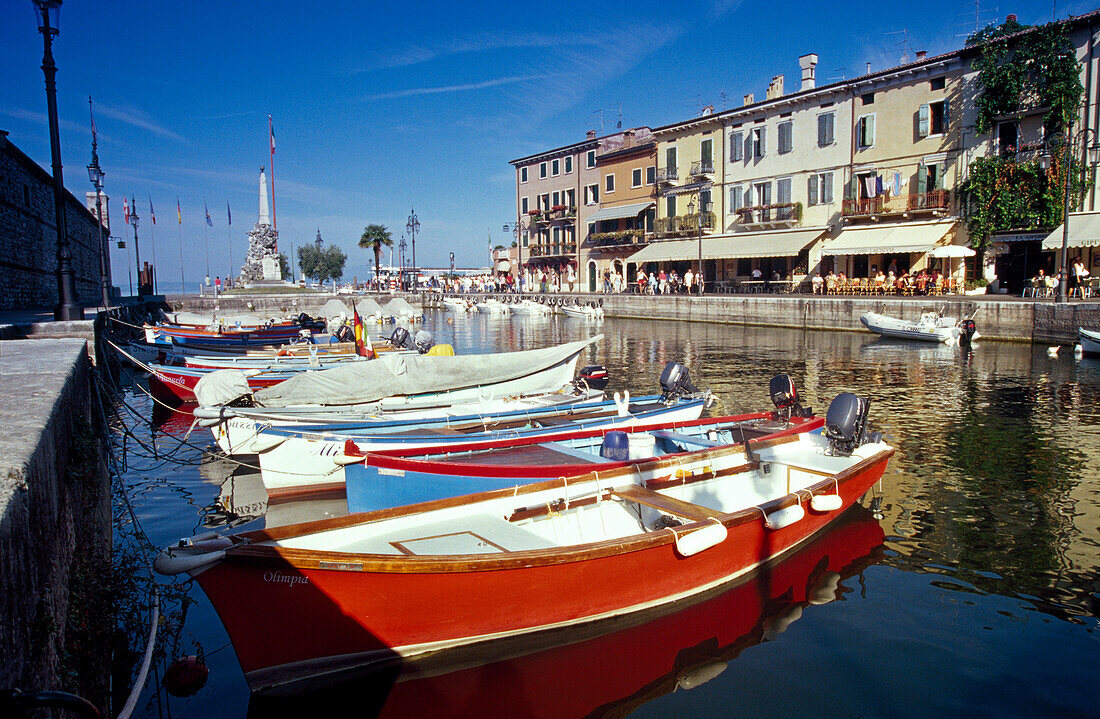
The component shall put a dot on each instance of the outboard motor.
(846, 423)
(423, 341)
(401, 339)
(785, 398)
(595, 376)
(675, 382)
(967, 330)
(344, 334)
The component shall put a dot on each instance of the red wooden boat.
(609, 669)
(314, 598)
(172, 385)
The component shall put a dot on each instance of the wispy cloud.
(417, 54)
(456, 88)
(41, 119)
(137, 118)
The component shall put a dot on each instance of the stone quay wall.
(54, 501)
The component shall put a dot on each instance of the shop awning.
(687, 189)
(620, 212)
(1084, 231)
(901, 237)
(784, 243)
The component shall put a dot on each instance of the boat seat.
(556, 421)
(684, 439)
(663, 503)
(574, 453)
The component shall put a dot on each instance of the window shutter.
(850, 189)
(941, 170)
(763, 141)
(821, 142)
(829, 119)
(811, 190)
(922, 180)
(705, 155)
(737, 146)
(946, 115)
(870, 130)
(783, 191)
(923, 118)
(748, 196)
(827, 188)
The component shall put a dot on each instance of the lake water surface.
(970, 589)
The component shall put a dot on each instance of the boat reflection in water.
(600, 668)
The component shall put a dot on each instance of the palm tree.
(375, 237)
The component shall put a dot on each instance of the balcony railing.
(785, 214)
(685, 224)
(934, 201)
(612, 239)
(552, 249)
(702, 167)
(667, 174)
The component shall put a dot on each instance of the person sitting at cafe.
(818, 284)
(757, 274)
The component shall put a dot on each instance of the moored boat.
(1090, 341)
(930, 327)
(409, 581)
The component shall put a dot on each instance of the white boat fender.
(825, 591)
(264, 443)
(1078, 350)
(622, 404)
(826, 502)
(785, 517)
(697, 676)
(345, 459)
(1053, 351)
(218, 413)
(191, 554)
(208, 422)
(692, 543)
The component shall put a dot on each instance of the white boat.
(530, 307)
(586, 311)
(492, 306)
(1090, 341)
(931, 327)
(453, 304)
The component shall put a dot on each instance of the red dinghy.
(309, 599)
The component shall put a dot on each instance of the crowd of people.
(924, 282)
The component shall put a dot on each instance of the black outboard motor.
(785, 398)
(595, 376)
(401, 339)
(423, 341)
(846, 423)
(967, 330)
(344, 334)
(308, 323)
(675, 382)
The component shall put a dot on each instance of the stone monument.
(261, 263)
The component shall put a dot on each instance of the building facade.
(28, 237)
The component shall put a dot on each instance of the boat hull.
(1090, 342)
(905, 330)
(323, 611)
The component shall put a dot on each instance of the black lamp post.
(137, 254)
(1069, 149)
(68, 308)
(401, 259)
(413, 226)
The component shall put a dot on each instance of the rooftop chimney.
(808, 63)
(775, 89)
(708, 110)
(750, 98)
(591, 134)
(921, 54)
(1012, 17)
(868, 69)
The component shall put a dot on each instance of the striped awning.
(687, 189)
(620, 212)
(1084, 231)
(781, 243)
(900, 237)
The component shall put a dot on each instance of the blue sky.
(379, 108)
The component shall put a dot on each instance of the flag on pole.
(207, 210)
(126, 210)
(228, 212)
(179, 215)
(152, 214)
(271, 132)
(357, 332)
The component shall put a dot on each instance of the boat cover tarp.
(194, 318)
(221, 387)
(395, 374)
(334, 308)
(398, 307)
(369, 308)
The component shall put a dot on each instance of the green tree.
(321, 264)
(374, 238)
(284, 265)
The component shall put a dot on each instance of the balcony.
(616, 239)
(665, 175)
(685, 225)
(765, 217)
(702, 168)
(551, 249)
(934, 202)
(562, 212)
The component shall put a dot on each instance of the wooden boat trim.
(394, 564)
(666, 504)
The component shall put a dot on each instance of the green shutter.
(923, 119)
(922, 180)
(811, 190)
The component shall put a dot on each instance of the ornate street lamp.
(137, 253)
(95, 175)
(401, 259)
(1069, 148)
(68, 308)
(413, 226)
(516, 229)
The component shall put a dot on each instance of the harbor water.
(969, 586)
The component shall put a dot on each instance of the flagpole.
(229, 239)
(153, 241)
(271, 138)
(205, 241)
(179, 234)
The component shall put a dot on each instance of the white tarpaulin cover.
(334, 308)
(394, 374)
(221, 387)
(398, 307)
(1084, 231)
(193, 318)
(369, 308)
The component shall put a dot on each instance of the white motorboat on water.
(590, 311)
(492, 306)
(930, 327)
(1090, 341)
(529, 307)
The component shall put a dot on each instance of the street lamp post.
(698, 221)
(95, 174)
(401, 259)
(413, 226)
(68, 308)
(1069, 150)
(515, 228)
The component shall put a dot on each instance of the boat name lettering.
(391, 472)
(278, 577)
